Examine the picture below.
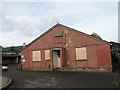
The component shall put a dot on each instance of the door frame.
(62, 57)
(55, 49)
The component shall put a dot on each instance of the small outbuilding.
(64, 48)
(11, 55)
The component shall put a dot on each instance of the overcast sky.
(22, 21)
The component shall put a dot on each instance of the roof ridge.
(87, 34)
(66, 27)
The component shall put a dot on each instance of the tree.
(96, 35)
(12, 48)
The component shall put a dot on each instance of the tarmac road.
(57, 79)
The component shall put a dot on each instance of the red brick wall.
(97, 55)
(103, 55)
(91, 55)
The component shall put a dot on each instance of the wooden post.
(119, 57)
(17, 59)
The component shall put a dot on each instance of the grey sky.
(24, 21)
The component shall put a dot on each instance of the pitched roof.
(58, 24)
(117, 44)
(9, 49)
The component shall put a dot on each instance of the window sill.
(47, 59)
(82, 60)
(36, 61)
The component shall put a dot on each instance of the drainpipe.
(52, 61)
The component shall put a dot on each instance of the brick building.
(64, 48)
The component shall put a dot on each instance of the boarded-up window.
(47, 54)
(81, 53)
(58, 33)
(36, 55)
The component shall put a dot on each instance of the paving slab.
(6, 81)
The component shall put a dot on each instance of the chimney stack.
(23, 44)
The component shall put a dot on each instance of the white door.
(56, 59)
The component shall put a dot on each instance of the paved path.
(4, 81)
(22, 79)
